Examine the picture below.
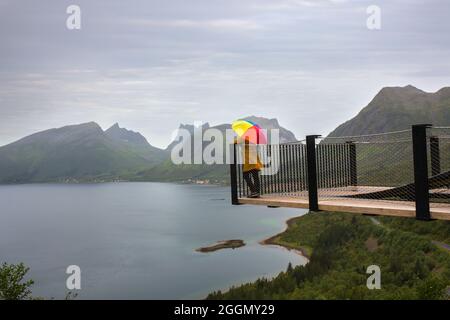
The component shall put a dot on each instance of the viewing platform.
(404, 174)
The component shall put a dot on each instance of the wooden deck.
(360, 206)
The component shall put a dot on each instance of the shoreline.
(93, 182)
(273, 242)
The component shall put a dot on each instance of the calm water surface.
(137, 240)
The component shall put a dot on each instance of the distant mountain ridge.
(125, 135)
(397, 108)
(265, 123)
(217, 173)
(76, 152)
(85, 152)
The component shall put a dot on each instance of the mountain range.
(86, 153)
(76, 152)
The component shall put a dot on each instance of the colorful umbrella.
(246, 129)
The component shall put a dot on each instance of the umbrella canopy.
(250, 131)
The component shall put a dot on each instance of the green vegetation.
(12, 283)
(431, 230)
(343, 245)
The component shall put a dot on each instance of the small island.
(226, 244)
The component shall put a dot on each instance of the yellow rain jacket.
(251, 160)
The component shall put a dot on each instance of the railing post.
(419, 137)
(352, 163)
(435, 156)
(233, 175)
(312, 172)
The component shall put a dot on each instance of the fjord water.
(137, 240)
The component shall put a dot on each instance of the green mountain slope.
(138, 143)
(397, 108)
(77, 152)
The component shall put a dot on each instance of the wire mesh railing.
(380, 167)
(335, 168)
(439, 164)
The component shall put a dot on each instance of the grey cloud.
(151, 65)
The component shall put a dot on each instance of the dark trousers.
(252, 179)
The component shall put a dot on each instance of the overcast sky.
(151, 65)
